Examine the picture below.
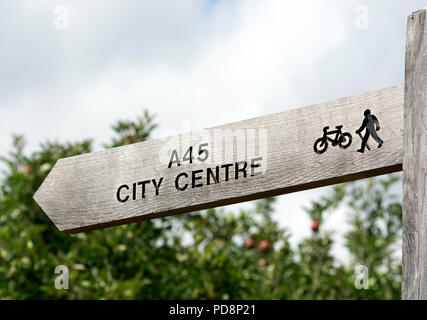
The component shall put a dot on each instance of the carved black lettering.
(194, 178)
(183, 174)
(255, 165)
(142, 184)
(243, 170)
(210, 175)
(157, 185)
(124, 186)
(227, 170)
(174, 154)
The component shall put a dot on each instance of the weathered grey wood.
(414, 275)
(80, 192)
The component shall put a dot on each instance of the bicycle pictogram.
(342, 139)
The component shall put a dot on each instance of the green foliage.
(214, 254)
(133, 131)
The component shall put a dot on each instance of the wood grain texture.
(79, 193)
(414, 255)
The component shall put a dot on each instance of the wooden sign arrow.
(327, 143)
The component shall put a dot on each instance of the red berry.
(26, 169)
(249, 243)
(315, 226)
(264, 245)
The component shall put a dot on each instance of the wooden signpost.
(414, 224)
(323, 144)
(246, 160)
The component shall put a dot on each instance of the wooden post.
(414, 255)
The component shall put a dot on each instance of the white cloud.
(231, 75)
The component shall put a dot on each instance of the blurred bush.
(214, 254)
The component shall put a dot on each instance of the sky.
(70, 69)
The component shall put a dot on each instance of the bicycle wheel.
(345, 140)
(320, 145)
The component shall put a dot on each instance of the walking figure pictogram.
(372, 126)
